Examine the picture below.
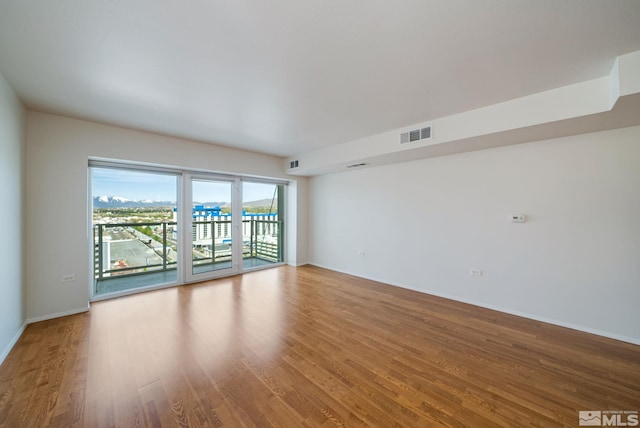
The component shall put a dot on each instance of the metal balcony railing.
(266, 240)
(133, 248)
(140, 248)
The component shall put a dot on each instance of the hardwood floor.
(307, 347)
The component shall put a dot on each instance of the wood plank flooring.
(307, 347)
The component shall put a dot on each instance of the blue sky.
(158, 187)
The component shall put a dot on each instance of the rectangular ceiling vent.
(415, 135)
(293, 164)
(357, 165)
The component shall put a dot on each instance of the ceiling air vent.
(415, 135)
(293, 164)
(357, 165)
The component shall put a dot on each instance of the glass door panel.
(262, 224)
(134, 229)
(211, 223)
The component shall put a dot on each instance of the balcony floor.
(119, 283)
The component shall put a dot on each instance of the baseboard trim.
(632, 340)
(12, 343)
(58, 315)
(299, 264)
(16, 337)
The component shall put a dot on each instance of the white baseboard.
(12, 343)
(58, 315)
(632, 340)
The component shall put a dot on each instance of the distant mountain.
(261, 203)
(120, 202)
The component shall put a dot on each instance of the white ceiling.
(290, 76)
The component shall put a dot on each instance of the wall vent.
(293, 164)
(415, 135)
(356, 165)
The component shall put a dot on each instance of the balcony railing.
(260, 239)
(133, 248)
(265, 240)
(126, 249)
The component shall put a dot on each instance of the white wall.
(297, 211)
(57, 152)
(425, 224)
(12, 295)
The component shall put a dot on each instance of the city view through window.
(136, 228)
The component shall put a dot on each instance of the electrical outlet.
(475, 272)
(68, 278)
(362, 253)
(518, 218)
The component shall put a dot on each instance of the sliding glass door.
(154, 227)
(134, 229)
(262, 224)
(213, 240)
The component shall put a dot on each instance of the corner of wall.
(297, 222)
(12, 179)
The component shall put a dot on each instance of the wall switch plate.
(475, 272)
